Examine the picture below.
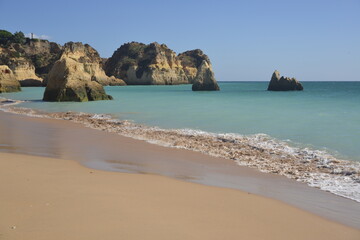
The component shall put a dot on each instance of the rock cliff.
(191, 61)
(154, 64)
(24, 72)
(42, 53)
(282, 83)
(205, 80)
(76, 76)
(30, 61)
(8, 82)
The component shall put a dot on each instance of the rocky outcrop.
(282, 83)
(8, 82)
(30, 61)
(191, 61)
(205, 80)
(24, 72)
(154, 64)
(42, 53)
(112, 81)
(140, 64)
(76, 76)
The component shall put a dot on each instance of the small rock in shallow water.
(278, 83)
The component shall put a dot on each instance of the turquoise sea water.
(325, 116)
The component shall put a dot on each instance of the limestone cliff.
(76, 76)
(24, 72)
(154, 64)
(30, 61)
(191, 62)
(140, 64)
(112, 81)
(42, 53)
(8, 82)
(282, 83)
(205, 80)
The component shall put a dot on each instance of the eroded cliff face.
(76, 76)
(140, 64)
(42, 53)
(154, 64)
(191, 62)
(205, 80)
(24, 72)
(8, 82)
(30, 61)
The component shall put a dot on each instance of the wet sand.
(45, 198)
(107, 151)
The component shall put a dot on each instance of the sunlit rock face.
(154, 64)
(30, 61)
(205, 80)
(76, 76)
(8, 82)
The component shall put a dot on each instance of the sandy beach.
(245, 127)
(62, 139)
(59, 197)
(45, 198)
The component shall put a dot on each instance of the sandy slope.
(44, 198)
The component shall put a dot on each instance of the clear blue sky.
(245, 40)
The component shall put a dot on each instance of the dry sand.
(113, 152)
(44, 198)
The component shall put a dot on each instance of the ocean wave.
(5, 102)
(314, 167)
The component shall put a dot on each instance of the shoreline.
(316, 168)
(68, 140)
(50, 198)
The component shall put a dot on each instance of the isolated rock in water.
(282, 83)
(205, 80)
(76, 76)
(8, 82)
(153, 64)
(191, 62)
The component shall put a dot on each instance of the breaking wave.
(314, 167)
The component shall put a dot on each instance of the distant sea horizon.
(323, 119)
(300, 81)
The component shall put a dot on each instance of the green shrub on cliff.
(127, 62)
(5, 37)
(136, 49)
(188, 61)
(37, 61)
(19, 37)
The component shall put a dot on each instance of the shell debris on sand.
(316, 168)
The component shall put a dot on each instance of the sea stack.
(282, 83)
(8, 81)
(205, 80)
(154, 64)
(77, 75)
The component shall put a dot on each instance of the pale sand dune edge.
(44, 198)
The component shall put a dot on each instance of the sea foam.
(260, 151)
